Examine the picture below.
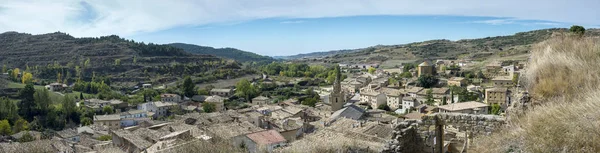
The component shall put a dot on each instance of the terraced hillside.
(393, 55)
(230, 53)
(47, 55)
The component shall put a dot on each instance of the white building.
(170, 98)
(157, 109)
(374, 99)
(471, 107)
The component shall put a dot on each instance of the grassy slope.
(53, 95)
(563, 76)
(231, 53)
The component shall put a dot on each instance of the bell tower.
(336, 98)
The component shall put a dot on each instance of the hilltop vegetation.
(231, 53)
(562, 79)
(61, 57)
(500, 46)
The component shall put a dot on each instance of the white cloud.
(496, 21)
(130, 17)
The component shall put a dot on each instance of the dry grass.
(563, 76)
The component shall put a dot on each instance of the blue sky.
(287, 27)
(293, 36)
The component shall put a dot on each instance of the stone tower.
(425, 68)
(336, 98)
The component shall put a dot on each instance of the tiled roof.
(266, 137)
(67, 133)
(220, 90)
(414, 89)
(425, 63)
(462, 106)
(168, 95)
(134, 139)
(260, 98)
(107, 117)
(215, 99)
(352, 112)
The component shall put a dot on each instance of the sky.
(288, 27)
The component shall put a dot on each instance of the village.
(358, 109)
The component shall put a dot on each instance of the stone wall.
(410, 135)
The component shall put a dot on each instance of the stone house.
(157, 109)
(147, 86)
(425, 68)
(218, 101)
(457, 81)
(133, 117)
(394, 97)
(497, 95)
(503, 81)
(261, 100)
(493, 67)
(170, 98)
(409, 103)
(223, 92)
(263, 141)
(111, 121)
(413, 91)
(373, 99)
(98, 104)
(56, 86)
(465, 107)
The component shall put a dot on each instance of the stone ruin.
(414, 136)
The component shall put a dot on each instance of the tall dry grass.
(563, 76)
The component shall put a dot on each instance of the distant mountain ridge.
(231, 53)
(391, 55)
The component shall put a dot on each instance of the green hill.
(392, 55)
(54, 54)
(231, 53)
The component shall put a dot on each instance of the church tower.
(336, 98)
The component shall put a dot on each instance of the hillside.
(562, 116)
(59, 55)
(317, 54)
(230, 53)
(394, 55)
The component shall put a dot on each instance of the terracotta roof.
(497, 89)
(266, 137)
(168, 95)
(107, 117)
(425, 63)
(413, 115)
(462, 106)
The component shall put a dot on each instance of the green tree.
(372, 70)
(105, 138)
(245, 89)
(107, 110)
(429, 97)
(27, 106)
(85, 121)
(406, 67)
(5, 128)
(117, 62)
(495, 109)
(4, 70)
(208, 107)
(26, 138)
(406, 75)
(8, 109)
(577, 30)
(309, 102)
(427, 81)
(202, 92)
(70, 110)
(515, 78)
(20, 125)
(188, 87)
(384, 107)
(81, 96)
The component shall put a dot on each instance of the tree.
(85, 121)
(407, 67)
(20, 125)
(8, 110)
(15, 73)
(117, 62)
(309, 102)
(81, 96)
(384, 107)
(202, 92)
(430, 100)
(495, 109)
(26, 138)
(107, 110)
(245, 89)
(105, 138)
(371, 70)
(427, 81)
(27, 106)
(406, 75)
(70, 109)
(208, 107)
(577, 30)
(515, 78)
(26, 77)
(4, 70)
(5, 128)
(188, 87)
